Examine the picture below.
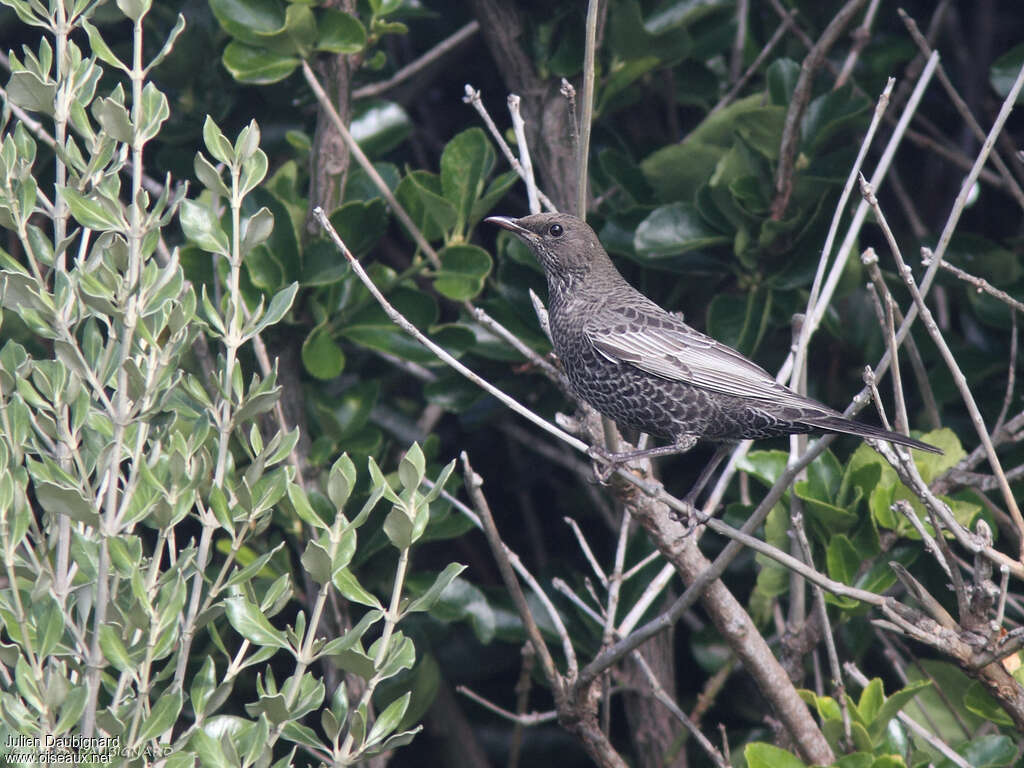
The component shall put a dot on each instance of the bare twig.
(522, 718)
(660, 694)
(364, 162)
(798, 103)
(739, 42)
(980, 284)
(861, 36)
(947, 355)
(737, 86)
(447, 45)
(583, 149)
(1009, 181)
(472, 98)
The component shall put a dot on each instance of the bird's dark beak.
(512, 225)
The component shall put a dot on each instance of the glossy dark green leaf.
(982, 703)
(740, 321)
(339, 32)
(830, 114)
(464, 268)
(629, 176)
(250, 21)
(1004, 71)
(323, 263)
(360, 224)
(258, 66)
(991, 749)
(321, 356)
(761, 128)
(467, 160)
(677, 171)
(782, 75)
(380, 126)
(420, 194)
(674, 229)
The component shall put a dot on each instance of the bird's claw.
(604, 464)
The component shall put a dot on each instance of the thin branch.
(1009, 181)
(661, 695)
(980, 284)
(447, 45)
(861, 36)
(554, 678)
(472, 98)
(583, 149)
(364, 162)
(533, 718)
(787, 22)
(799, 101)
(948, 357)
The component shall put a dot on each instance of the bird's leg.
(720, 453)
(613, 461)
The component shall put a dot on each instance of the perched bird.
(647, 369)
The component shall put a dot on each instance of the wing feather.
(663, 345)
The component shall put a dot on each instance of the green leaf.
(399, 528)
(1004, 70)
(762, 129)
(94, 212)
(58, 500)
(250, 20)
(162, 716)
(843, 559)
(982, 703)
(467, 160)
(420, 194)
(305, 511)
(321, 356)
(279, 305)
(427, 600)
(253, 625)
(360, 224)
(258, 66)
(339, 32)
(782, 75)
(740, 321)
(389, 719)
(113, 648)
(674, 229)
(412, 467)
(203, 685)
(341, 480)
(992, 749)
(464, 268)
(380, 126)
(760, 755)
(29, 92)
(202, 227)
(317, 562)
(134, 9)
(351, 589)
(879, 721)
(677, 171)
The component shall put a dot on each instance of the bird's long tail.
(849, 427)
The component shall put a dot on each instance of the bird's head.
(566, 247)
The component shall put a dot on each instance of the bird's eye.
(555, 230)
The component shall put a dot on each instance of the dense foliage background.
(264, 329)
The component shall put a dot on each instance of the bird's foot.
(604, 463)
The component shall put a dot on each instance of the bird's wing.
(661, 344)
